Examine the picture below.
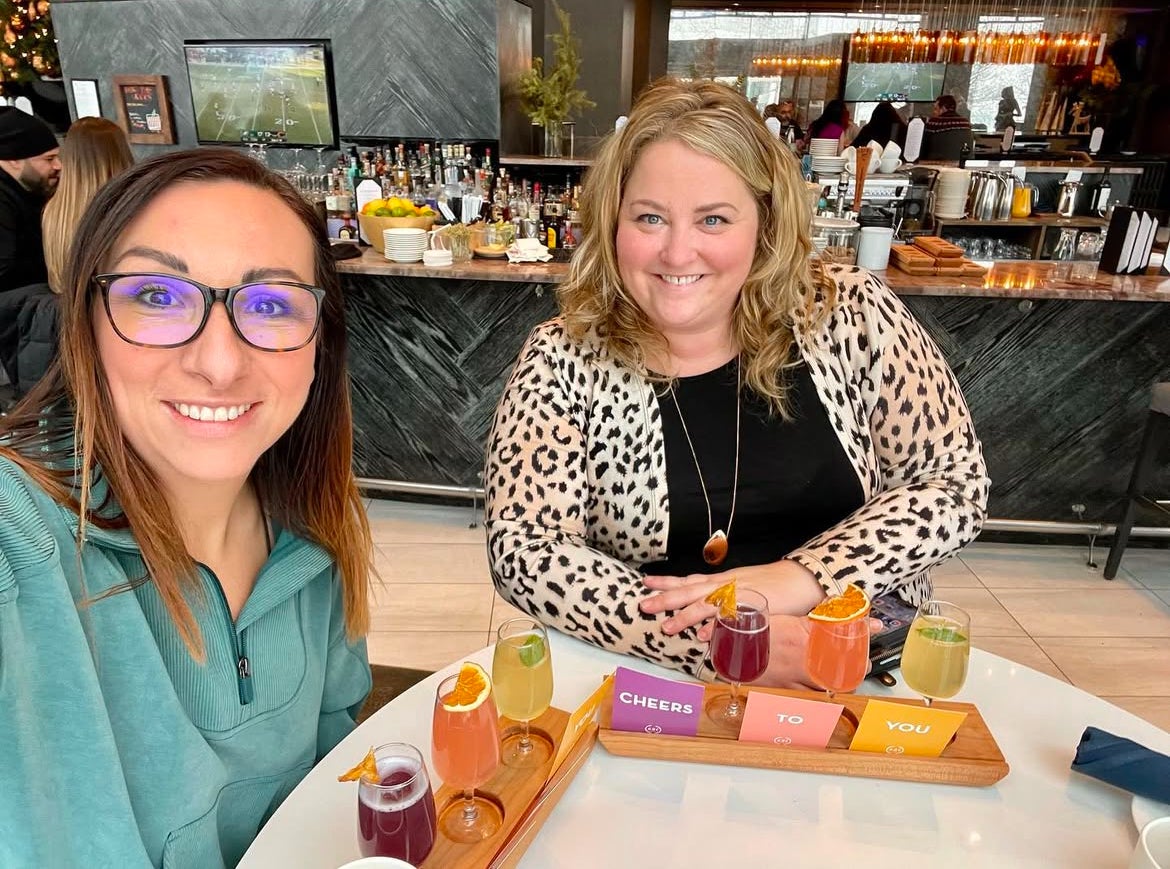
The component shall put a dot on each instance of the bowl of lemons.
(393, 213)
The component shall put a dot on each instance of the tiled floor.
(1038, 605)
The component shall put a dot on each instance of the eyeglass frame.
(211, 295)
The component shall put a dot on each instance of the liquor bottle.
(1101, 195)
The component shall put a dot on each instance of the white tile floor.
(1041, 606)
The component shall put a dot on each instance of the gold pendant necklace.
(715, 549)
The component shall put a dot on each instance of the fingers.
(875, 626)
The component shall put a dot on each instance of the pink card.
(652, 705)
(780, 720)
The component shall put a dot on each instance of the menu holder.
(1130, 239)
(972, 758)
(527, 797)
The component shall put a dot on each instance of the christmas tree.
(30, 49)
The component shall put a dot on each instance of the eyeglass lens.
(166, 311)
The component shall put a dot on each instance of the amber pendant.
(715, 549)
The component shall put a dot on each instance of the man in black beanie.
(29, 158)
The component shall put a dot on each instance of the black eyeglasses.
(154, 310)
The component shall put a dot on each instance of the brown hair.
(783, 282)
(947, 103)
(305, 478)
(94, 151)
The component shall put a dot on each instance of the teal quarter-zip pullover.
(117, 749)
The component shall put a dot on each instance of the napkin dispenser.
(1130, 239)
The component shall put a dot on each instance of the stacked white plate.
(436, 258)
(823, 147)
(405, 245)
(950, 193)
(828, 165)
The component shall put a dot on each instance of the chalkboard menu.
(144, 110)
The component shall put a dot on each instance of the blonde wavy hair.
(784, 282)
(94, 151)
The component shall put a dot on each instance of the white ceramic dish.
(1145, 810)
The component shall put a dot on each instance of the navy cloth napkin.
(1123, 763)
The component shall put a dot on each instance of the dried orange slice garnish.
(724, 598)
(367, 769)
(471, 689)
(853, 604)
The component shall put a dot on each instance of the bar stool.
(1157, 428)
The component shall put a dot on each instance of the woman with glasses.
(184, 556)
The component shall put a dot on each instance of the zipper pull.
(244, 668)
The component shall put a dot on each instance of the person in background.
(945, 116)
(884, 126)
(93, 152)
(30, 164)
(785, 112)
(1005, 114)
(708, 379)
(183, 546)
(832, 124)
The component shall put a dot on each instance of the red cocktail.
(396, 815)
(739, 652)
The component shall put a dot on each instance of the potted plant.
(550, 96)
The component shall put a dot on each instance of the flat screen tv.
(897, 82)
(272, 92)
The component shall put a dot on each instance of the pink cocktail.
(838, 653)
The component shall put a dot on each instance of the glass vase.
(552, 138)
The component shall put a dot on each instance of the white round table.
(634, 812)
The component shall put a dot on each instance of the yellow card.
(579, 722)
(898, 728)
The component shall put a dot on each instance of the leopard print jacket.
(576, 473)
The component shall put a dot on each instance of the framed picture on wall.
(86, 103)
(144, 109)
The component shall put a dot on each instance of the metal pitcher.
(1067, 204)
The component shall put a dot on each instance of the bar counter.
(1057, 373)
(1022, 279)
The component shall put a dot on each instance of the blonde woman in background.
(94, 151)
(715, 401)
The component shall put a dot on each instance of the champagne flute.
(523, 678)
(938, 647)
(465, 748)
(739, 652)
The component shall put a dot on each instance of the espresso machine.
(912, 214)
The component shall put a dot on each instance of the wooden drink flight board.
(527, 797)
(973, 758)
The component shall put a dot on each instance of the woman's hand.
(790, 589)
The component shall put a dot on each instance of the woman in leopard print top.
(695, 256)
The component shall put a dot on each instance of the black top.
(795, 480)
(22, 257)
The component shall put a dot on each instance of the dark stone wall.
(424, 68)
(1058, 389)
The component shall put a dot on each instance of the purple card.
(651, 705)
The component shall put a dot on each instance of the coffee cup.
(1153, 846)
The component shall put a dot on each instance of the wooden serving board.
(937, 247)
(973, 758)
(523, 794)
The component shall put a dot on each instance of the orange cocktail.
(838, 642)
(465, 748)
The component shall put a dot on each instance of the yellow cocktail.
(522, 674)
(934, 659)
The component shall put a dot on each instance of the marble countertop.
(1014, 280)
